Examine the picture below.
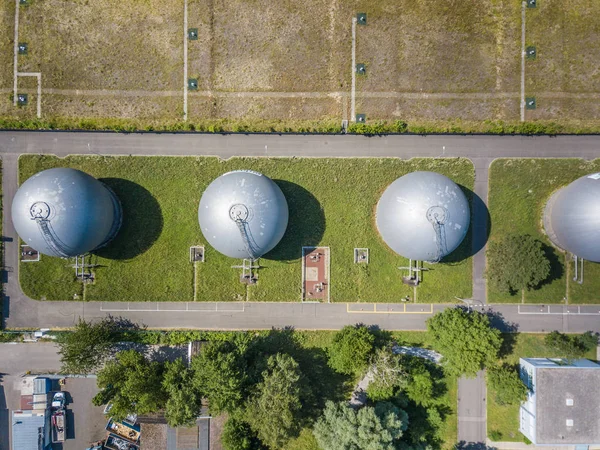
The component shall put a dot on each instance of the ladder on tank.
(247, 239)
(436, 215)
(50, 237)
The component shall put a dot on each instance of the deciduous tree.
(516, 263)
(465, 339)
(133, 384)
(351, 348)
(509, 388)
(184, 401)
(220, 376)
(85, 348)
(388, 375)
(375, 428)
(273, 411)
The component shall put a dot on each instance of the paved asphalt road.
(299, 145)
(472, 409)
(23, 312)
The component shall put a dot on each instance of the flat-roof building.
(31, 430)
(563, 403)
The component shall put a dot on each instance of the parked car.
(59, 400)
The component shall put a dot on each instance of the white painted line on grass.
(353, 100)
(16, 60)
(523, 8)
(39, 96)
(185, 60)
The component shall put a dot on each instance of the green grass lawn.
(519, 190)
(505, 418)
(331, 202)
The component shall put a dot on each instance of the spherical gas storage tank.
(243, 214)
(65, 212)
(572, 217)
(423, 216)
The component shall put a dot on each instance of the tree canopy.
(273, 411)
(509, 388)
(571, 346)
(184, 402)
(132, 383)
(388, 375)
(219, 374)
(375, 428)
(465, 339)
(351, 348)
(518, 262)
(85, 348)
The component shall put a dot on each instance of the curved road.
(22, 312)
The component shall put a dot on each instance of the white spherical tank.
(65, 212)
(243, 214)
(572, 217)
(423, 216)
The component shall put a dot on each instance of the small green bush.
(495, 435)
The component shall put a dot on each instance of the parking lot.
(85, 422)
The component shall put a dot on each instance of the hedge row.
(318, 127)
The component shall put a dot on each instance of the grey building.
(572, 217)
(243, 214)
(31, 430)
(423, 216)
(65, 212)
(563, 403)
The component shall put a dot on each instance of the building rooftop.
(568, 404)
(29, 430)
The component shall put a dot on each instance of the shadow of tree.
(463, 445)
(142, 221)
(510, 331)
(557, 268)
(306, 223)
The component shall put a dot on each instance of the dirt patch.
(111, 59)
(105, 44)
(566, 36)
(90, 106)
(154, 436)
(216, 429)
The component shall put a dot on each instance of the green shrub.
(495, 435)
(509, 388)
(351, 348)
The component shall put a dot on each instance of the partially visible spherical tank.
(243, 214)
(423, 216)
(572, 217)
(65, 212)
